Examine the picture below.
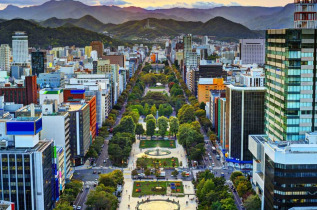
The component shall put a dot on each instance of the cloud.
(106, 2)
(197, 4)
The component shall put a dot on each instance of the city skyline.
(154, 4)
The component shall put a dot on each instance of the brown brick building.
(21, 94)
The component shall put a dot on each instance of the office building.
(290, 80)
(97, 46)
(60, 121)
(205, 85)
(7, 205)
(207, 71)
(205, 40)
(51, 80)
(21, 93)
(51, 94)
(5, 54)
(20, 48)
(17, 71)
(221, 134)
(38, 62)
(252, 51)
(32, 184)
(79, 132)
(88, 50)
(244, 117)
(305, 14)
(115, 60)
(285, 173)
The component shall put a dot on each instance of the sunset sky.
(152, 4)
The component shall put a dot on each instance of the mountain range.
(40, 36)
(135, 29)
(257, 18)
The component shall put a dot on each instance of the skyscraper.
(305, 14)
(38, 62)
(291, 83)
(5, 57)
(252, 51)
(20, 48)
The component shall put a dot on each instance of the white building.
(252, 51)
(205, 40)
(51, 94)
(20, 48)
(5, 54)
(285, 171)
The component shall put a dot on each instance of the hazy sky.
(152, 4)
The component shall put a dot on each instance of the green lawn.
(149, 188)
(152, 162)
(157, 87)
(157, 143)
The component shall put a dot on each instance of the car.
(94, 172)
(82, 190)
(141, 175)
(102, 146)
(210, 158)
(222, 174)
(87, 187)
(218, 157)
(104, 161)
(224, 168)
(78, 207)
(210, 167)
(99, 172)
(95, 185)
(165, 138)
(213, 164)
(74, 206)
(94, 165)
(96, 180)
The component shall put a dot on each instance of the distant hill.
(40, 36)
(281, 19)
(218, 26)
(63, 9)
(87, 22)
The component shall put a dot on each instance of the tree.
(174, 125)
(141, 162)
(200, 113)
(150, 127)
(91, 153)
(153, 110)
(235, 174)
(202, 105)
(242, 188)
(175, 173)
(63, 206)
(196, 126)
(150, 116)
(161, 110)
(139, 130)
(185, 114)
(146, 109)
(228, 204)
(127, 125)
(147, 172)
(162, 125)
(134, 172)
(102, 200)
(253, 202)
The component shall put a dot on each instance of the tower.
(20, 48)
(305, 15)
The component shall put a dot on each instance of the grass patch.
(157, 143)
(157, 87)
(159, 162)
(141, 188)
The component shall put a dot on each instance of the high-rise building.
(27, 176)
(305, 14)
(205, 40)
(252, 51)
(285, 174)
(20, 47)
(205, 85)
(291, 83)
(244, 117)
(5, 54)
(97, 46)
(38, 62)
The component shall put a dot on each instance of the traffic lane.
(88, 175)
(104, 155)
(83, 197)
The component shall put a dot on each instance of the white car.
(78, 207)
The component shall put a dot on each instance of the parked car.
(222, 174)
(94, 172)
(78, 207)
(99, 172)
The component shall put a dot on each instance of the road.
(82, 197)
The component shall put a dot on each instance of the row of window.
(294, 193)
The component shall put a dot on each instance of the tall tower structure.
(20, 46)
(305, 15)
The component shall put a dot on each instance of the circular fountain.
(157, 152)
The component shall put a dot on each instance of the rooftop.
(41, 146)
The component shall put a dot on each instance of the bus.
(214, 149)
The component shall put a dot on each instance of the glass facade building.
(291, 83)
